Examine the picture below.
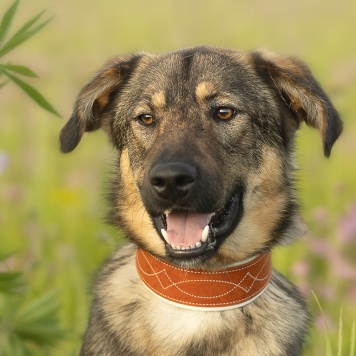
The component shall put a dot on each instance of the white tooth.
(205, 233)
(198, 244)
(178, 247)
(174, 247)
(192, 246)
(164, 234)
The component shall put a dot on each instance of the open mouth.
(190, 234)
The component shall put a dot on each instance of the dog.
(204, 189)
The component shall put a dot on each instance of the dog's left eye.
(146, 119)
(224, 113)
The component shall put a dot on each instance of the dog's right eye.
(146, 119)
(224, 113)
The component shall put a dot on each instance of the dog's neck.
(230, 288)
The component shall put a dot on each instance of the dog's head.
(206, 138)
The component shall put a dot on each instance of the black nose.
(173, 180)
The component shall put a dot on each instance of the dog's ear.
(94, 98)
(294, 82)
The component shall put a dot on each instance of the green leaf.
(33, 93)
(10, 282)
(339, 344)
(20, 37)
(7, 20)
(16, 347)
(18, 69)
(353, 338)
(42, 307)
(328, 344)
(28, 24)
(38, 320)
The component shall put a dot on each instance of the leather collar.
(196, 289)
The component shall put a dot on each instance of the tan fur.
(159, 100)
(133, 210)
(203, 90)
(265, 200)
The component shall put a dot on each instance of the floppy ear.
(94, 98)
(299, 89)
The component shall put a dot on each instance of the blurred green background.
(52, 205)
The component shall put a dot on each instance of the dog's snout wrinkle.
(173, 180)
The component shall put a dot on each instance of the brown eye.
(146, 119)
(224, 113)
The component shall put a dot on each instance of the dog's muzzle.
(189, 225)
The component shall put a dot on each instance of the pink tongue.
(185, 229)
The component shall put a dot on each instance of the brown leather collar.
(229, 288)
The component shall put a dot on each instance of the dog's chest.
(157, 327)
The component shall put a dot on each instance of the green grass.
(52, 205)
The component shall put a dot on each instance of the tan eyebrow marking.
(204, 90)
(159, 100)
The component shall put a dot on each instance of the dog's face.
(206, 148)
